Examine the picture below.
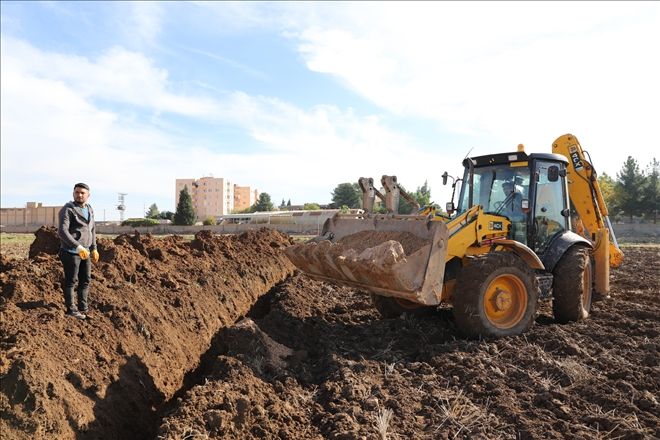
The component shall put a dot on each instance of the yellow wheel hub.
(505, 301)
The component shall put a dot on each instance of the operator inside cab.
(513, 209)
(513, 199)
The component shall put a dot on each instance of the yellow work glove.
(84, 253)
(95, 256)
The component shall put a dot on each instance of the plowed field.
(220, 338)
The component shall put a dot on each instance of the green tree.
(152, 212)
(650, 191)
(422, 195)
(628, 188)
(185, 213)
(606, 184)
(311, 206)
(263, 204)
(288, 204)
(166, 215)
(283, 204)
(348, 194)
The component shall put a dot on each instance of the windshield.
(498, 189)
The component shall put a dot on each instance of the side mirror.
(450, 208)
(444, 178)
(553, 173)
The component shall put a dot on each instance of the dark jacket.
(75, 229)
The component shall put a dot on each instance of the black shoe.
(76, 314)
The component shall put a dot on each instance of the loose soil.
(367, 239)
(216, 339)
(155, 307)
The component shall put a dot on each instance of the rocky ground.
(220, 338)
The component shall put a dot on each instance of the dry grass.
(389, 369)
(383, 420)
(188, 433)
(460, 413)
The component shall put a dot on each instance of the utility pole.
(121, 207)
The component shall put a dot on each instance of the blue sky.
(293, 97)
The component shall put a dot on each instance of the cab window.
(550, 201)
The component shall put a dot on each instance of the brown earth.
(156, 305)
(309, 360)
(352, 375)
(368, 239)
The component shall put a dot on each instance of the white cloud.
(500, 73)
(144, 22)
(117, 75)
(507, 72)
(55, 131)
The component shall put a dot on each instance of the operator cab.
(530, 190)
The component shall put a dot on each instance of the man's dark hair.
(81, 185)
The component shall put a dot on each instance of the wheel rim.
(586, 287)
(505, 301)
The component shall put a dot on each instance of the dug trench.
(308, 360)
(156, 305)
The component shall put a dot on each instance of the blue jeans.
(75, 270)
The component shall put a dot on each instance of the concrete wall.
(637, 232)
(183, 230)
(626, 233)
(33, 215)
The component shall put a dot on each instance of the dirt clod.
(368, 239)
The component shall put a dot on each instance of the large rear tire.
(496, 295)
(572, 285)
(394, 307)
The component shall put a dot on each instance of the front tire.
(496, 295)
(572, 285)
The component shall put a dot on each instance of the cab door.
(550, 208)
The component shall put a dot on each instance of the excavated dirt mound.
(156, 305)
(47, 242)
(315, 361)
(368, 239)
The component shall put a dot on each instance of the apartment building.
(244, 197)
(211, 196)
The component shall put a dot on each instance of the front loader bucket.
(396, 256)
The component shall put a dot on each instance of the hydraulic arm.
(588, 201)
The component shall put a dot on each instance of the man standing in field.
(77, 249)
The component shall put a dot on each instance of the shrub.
(209, 221)
(135, 222)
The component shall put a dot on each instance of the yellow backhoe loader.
(509, 240)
